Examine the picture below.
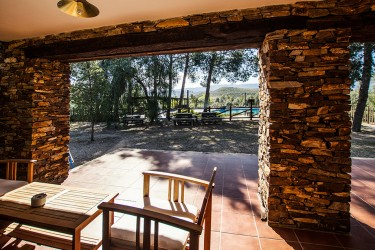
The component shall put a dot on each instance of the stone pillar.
(304, 145)
(34, 112)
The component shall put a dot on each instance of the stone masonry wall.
(304, 154)
(34, 108)
(310, 9)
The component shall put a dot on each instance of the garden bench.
(160, 223)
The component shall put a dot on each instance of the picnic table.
(210, 118)
(134, 119)
(184, 119)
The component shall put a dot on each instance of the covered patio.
(304, 171)
(236, 210)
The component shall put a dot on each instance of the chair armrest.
(151, 215)
(176, 177)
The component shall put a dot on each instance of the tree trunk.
(129, 98)
(363, 90)
(170, 76)
(91, 101)
(208, 83)
(184, 79)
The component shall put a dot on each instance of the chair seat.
(123, 231)
(9, 185)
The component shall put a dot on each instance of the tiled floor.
(236, 222)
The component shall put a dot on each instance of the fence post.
(251, 111)
(230, 112)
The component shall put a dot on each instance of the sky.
(189, 84)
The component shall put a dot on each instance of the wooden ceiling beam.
(231, 35)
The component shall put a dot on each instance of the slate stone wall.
(34, 108)
(304, 151)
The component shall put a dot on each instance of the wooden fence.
(368, 116)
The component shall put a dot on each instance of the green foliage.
(212, 67)
(106, 90)
(356, 61)
(88, 91)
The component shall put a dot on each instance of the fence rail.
(368, 115)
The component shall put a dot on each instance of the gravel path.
(230, 137)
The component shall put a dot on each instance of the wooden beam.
(231, 35)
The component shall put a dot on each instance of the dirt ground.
(229, 137)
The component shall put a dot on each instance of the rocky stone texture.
(304, 151)
(304, 130)
(313, 10)
(34, 107)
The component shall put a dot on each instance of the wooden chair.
(157, 223)
(11, 182)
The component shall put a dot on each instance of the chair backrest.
(11, 168)
(207, 197)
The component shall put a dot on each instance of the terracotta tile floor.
(236, 224)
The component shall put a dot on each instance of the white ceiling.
(34, 18)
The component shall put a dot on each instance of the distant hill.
(214, 87)
(232, 91)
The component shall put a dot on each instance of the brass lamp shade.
(78, 8)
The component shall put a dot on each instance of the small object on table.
(38, 200)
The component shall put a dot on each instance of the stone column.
(34, 108)
(304, 145)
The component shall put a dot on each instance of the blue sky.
(189, 84)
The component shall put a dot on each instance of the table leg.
(76, 244)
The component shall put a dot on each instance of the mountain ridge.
(214, 87)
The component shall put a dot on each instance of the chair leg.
(207, 224)
(194, 242)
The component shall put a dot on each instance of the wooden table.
(135, 119)
(184, 118)
(68, 210)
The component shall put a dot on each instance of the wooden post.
(251, 101)
(146, 185)
(251, 111)
(106, 230)
(230, 112)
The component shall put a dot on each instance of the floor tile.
(358, 238)
(266, 231)
(313, 237)
(239, 242)
(307, 246)
(238, 224)
(279, 244)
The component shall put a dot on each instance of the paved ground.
(230, 137)
(236, 222)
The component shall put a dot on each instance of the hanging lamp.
(78, 8)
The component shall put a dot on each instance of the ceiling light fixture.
(78, 8)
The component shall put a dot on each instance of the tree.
(88, 88)
(186, 68)
(119, 73)
(362, 70)
(212, 67)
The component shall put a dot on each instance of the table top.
(66, 209)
